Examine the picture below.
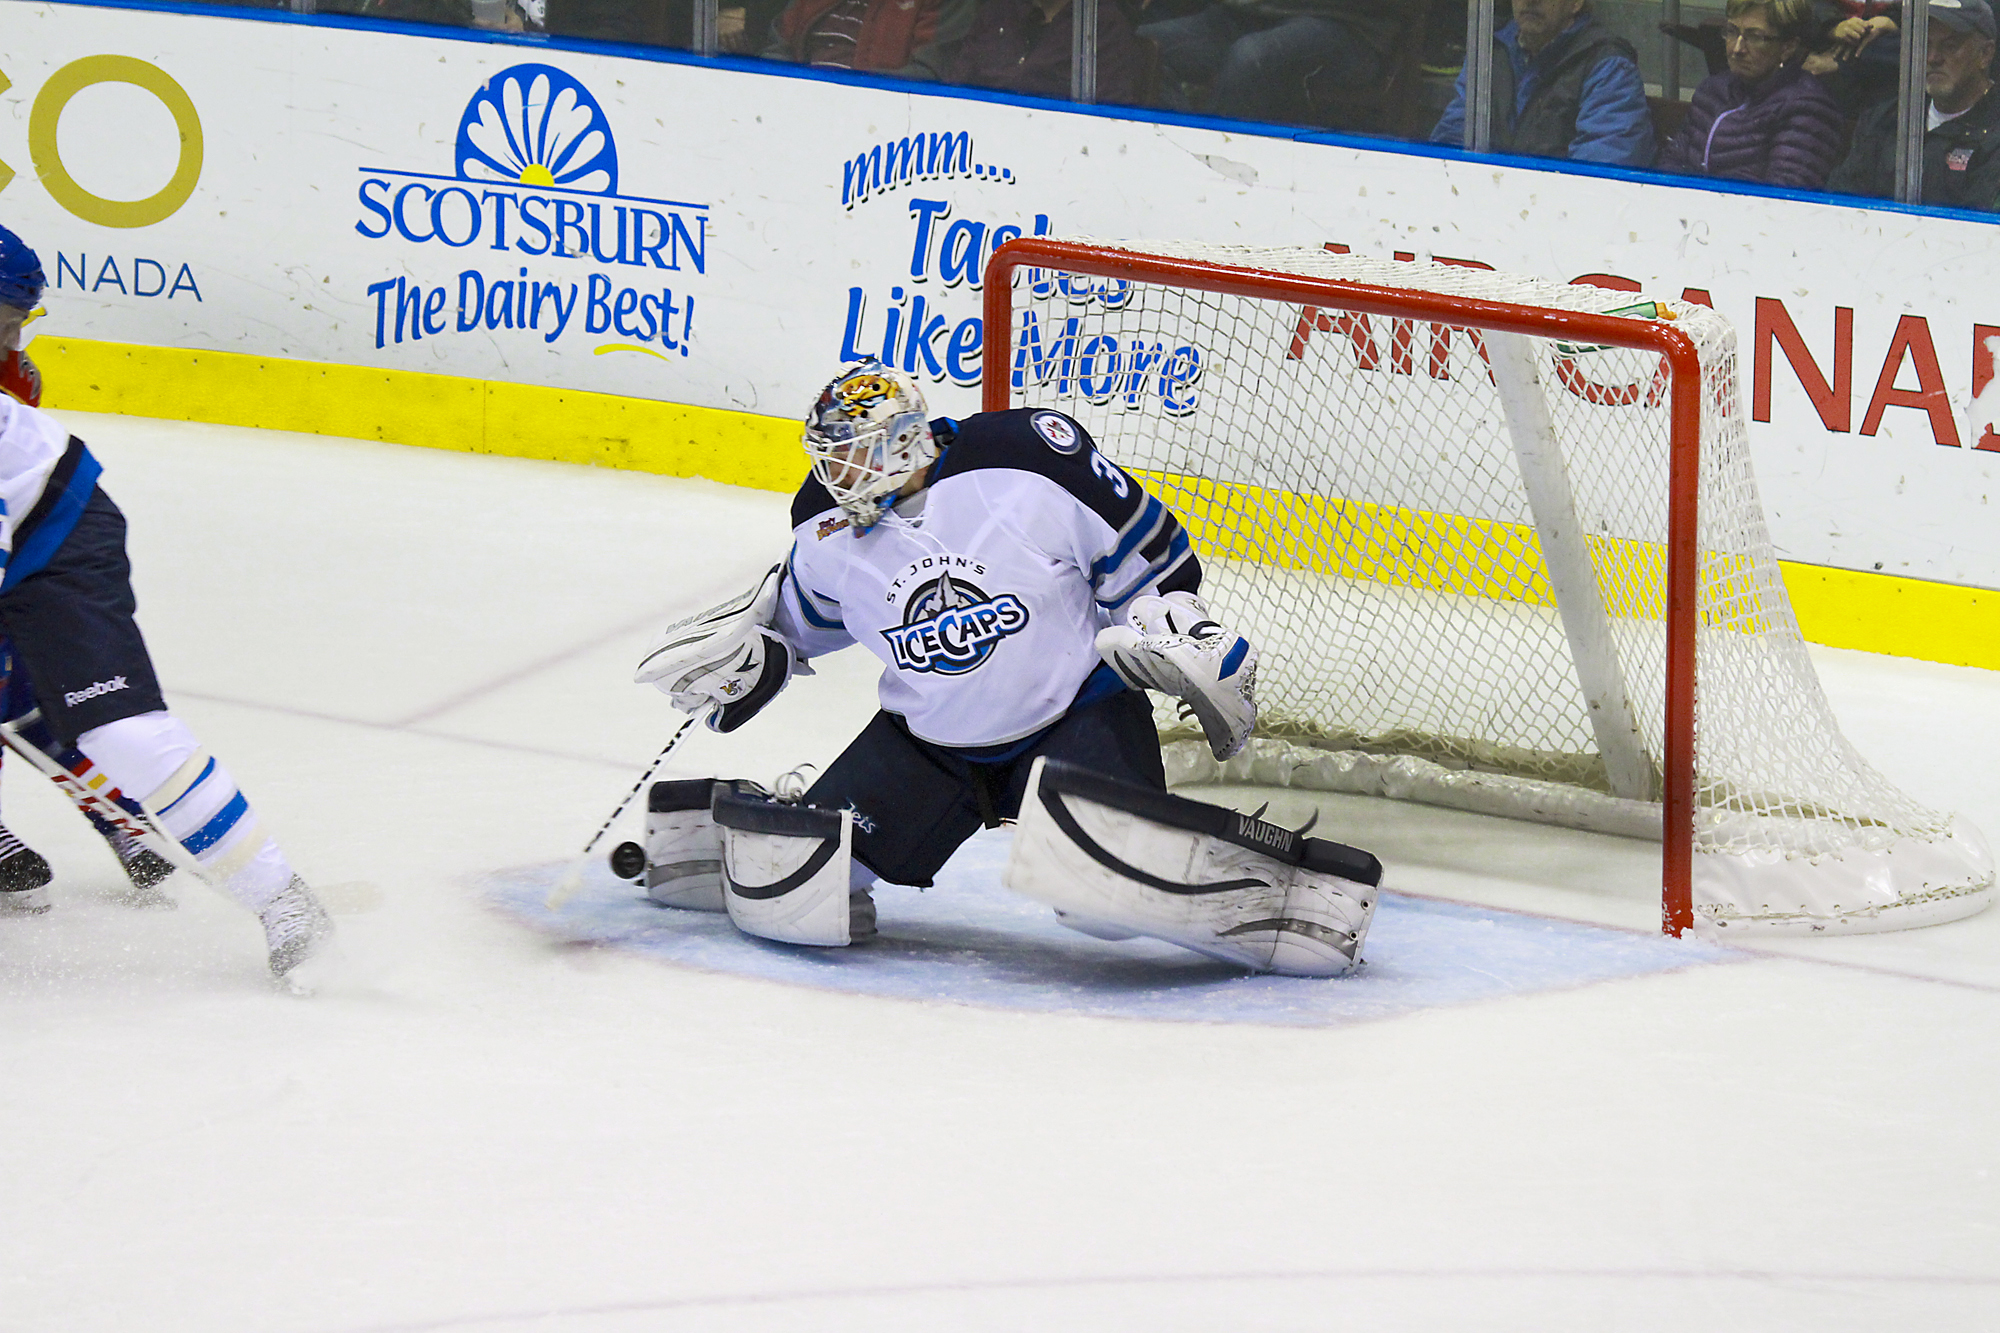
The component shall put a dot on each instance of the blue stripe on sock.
(191, 786)
(216, 829)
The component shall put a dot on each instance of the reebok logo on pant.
(112, 686)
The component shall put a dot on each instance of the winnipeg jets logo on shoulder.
(1058, 430)
(950, 626)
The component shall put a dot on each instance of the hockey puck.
(628, 860)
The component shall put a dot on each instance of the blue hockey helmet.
(21, 279)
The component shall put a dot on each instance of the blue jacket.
(1612, 124)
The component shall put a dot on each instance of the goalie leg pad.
(1105, 853)
(786, 870)
(683, 846)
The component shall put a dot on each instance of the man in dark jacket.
(1255, 55)
(910, 39)
(1563, 86)
(1023, 46)
(1764, 118)
(1962, 145)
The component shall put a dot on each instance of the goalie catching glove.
(1169, 644)
(727, 656)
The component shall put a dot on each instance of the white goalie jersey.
(983, 594)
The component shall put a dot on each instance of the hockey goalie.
(1023, 593)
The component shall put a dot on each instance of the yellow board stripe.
(1843, 608)
(435, 411)
(1431, 552)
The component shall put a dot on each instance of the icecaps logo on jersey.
(536, 179)
(950, 627)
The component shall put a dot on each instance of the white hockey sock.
(193, 800)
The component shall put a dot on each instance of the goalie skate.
(1108, 853)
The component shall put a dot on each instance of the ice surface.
(969, 941)
(416, 664)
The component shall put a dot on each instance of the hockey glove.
(726, 656)
(1169, 644)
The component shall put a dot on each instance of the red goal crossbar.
(1684, 399)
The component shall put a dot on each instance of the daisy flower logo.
(536, 125)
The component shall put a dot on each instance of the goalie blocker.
(1116, 860)
(726, 659)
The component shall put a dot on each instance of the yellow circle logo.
(55, 95)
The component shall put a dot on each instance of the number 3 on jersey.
(1111, 472)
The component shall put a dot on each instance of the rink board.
(720, 234)
(968, 940)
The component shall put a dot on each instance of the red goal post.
(1677, 351)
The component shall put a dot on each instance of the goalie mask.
(867, 435)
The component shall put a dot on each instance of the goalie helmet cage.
(1500, 548)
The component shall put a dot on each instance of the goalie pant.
(66, 609)
(914, 802)
(911, 803)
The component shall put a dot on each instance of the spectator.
(1961, 145)
(1859, 54)
(1765, 119)
(741, 29)
(911, 39)
(1023, 46)
(1563, 86)
(499, 15)
(646, 22)
(1255, 55)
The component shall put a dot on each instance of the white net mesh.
(1363, 509)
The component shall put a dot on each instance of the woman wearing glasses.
(1765, 119)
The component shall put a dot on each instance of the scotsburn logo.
(536, 201)
(536, 125)
(89, 692)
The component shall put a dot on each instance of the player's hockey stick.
(29, 737)
(572, 878)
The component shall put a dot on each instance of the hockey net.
(1492, 554)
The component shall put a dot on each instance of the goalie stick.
(572, 878)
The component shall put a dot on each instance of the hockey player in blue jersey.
(82, 702)
(1023, 592)
(23, 871)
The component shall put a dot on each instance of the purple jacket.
(1787, 130)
